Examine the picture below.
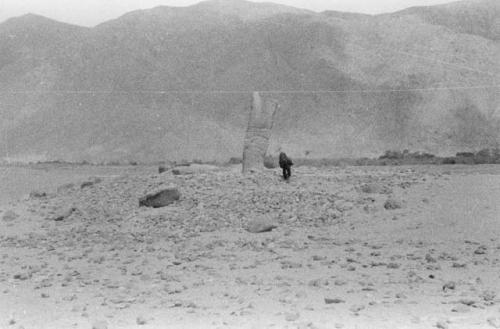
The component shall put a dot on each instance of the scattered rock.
(318, 283)
(488, 295)
(64, 214)
(392, 204)
(449, 286)
(21, 276)
(481, 250)
(141, 320)
(159, 199)
(441, 325)
(9, 216)
(91, 182)
(460, 309)
(37, 194)
(356, 308)
(430, 259)
(260, 226)
(493, 322)
(334, 301)
(468, 302)
(377, 188)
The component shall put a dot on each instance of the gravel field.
(353, 247)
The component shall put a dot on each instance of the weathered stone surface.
(258, 133)
(161, 198)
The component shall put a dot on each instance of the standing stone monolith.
(258, 132)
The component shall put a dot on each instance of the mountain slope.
(118, 91)
(477, 17)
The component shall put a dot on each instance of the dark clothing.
(286, 164)
(287, 172)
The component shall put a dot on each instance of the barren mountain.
(349, 85)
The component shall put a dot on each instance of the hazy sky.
(92, 12)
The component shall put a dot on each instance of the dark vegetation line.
(397, 158)
(389, 158)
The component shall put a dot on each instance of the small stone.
(161, 198)
(375, 188)
(481, 250)
(44, 295)
(393, 265)
(468, 302)
(37, 194)
(488, 295)
(334, 301)
(141, 320)
(392, 204)
(91, 182)
(21, 276)
(9, 216)
(260, 226)
(449, 286)
(430, 259)
(493, 322)
(356, 308)
(460, 309)
(441, 325)
(64, 214)
(318, 283)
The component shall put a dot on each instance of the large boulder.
(161, 198)
(258, 133)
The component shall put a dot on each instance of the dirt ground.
(354, 247)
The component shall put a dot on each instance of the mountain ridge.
(114, 92)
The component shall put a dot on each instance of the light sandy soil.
(337, 259)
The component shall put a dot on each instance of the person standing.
(285, 164)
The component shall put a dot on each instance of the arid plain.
(353, 247)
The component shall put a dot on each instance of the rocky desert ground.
(352, 247)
